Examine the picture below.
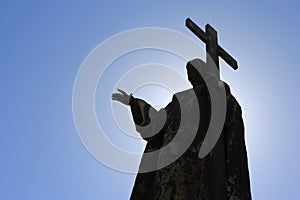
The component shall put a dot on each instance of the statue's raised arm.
(148, 121)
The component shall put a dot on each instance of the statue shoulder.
(180, 96)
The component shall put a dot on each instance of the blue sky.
(44, 43)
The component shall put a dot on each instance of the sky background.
(44, 43)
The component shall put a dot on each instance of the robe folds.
(189, 177)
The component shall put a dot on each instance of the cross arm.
(227, 58)
(196, 30)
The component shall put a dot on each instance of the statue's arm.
(148, 121)
(139, 108)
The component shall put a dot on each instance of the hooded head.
(208, 73)
(194, 67)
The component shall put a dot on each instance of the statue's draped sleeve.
(148, 122)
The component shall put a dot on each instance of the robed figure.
(190, 177)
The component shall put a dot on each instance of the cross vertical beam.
(212, 57)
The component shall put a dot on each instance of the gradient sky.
(44, 43)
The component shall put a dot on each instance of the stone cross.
(209, 37)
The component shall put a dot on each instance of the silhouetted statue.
(189, 177)
(222, 174)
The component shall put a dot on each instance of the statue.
(223, 173)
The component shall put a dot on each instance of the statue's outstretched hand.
(122, 97)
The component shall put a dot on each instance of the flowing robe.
(190, 177)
